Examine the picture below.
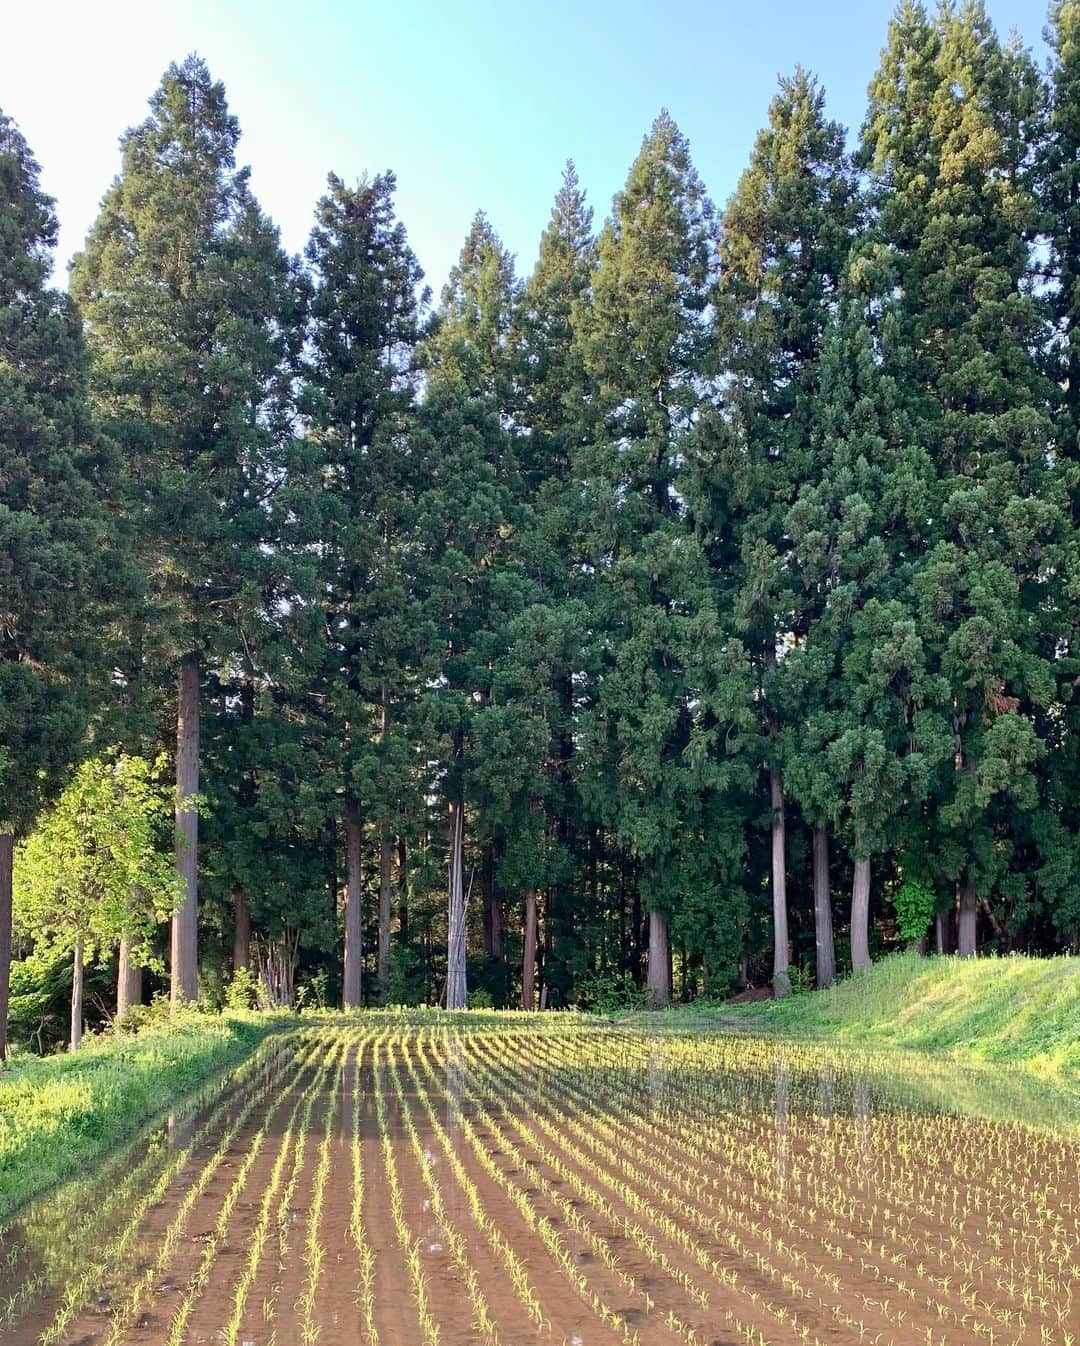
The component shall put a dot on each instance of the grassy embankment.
(58, 1113)
(986, 1010)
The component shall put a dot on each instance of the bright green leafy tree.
(97, 869)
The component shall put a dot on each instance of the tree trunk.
(967, 921)
(128, 982)
(498, 928)
(185, 923)
(385, 860)
(860, 914)
(528, 961)
(494, 917)
(487, 900)
(386, 857)
(352, 980)
(77, 996)
(823, 931)
(456, 987)
(659, 963)
(403, 891)
(7, 848)
(939, 932)
(781, 954)
(241, 954)
(636, 921)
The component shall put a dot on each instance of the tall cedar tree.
(360, 402)
(1057, 824)
(947, 147)
(643, 340)
(784, 243)
(58, 567)
(868, 729)
(466, 513)
(191, 309)
(547, 648)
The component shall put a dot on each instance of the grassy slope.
(1023, 1010)
(59, 1112)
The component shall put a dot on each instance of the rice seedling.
(573, 1180)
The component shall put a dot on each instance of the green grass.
(1017, 1009)
(58, 1113)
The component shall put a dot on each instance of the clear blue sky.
(474, 106)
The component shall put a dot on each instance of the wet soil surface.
(422, 1187)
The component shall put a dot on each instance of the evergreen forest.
(697, 612)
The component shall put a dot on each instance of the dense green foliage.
(93, 868)
(632, 625)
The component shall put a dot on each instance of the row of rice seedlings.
(123, 1314)
(281, 1218)
(54, 1253)
(651, 1149)
(723, 1229)
(542, 1226)
(871, 1267)
(409, 1245)
(867, 1252)
(81, 1288)
(885, 1210)
(514, 1264)
(600, 1246)
(44, 1231)
(313, 1249)
(909, 1163)
(669, 1228)
(357, 1232)
(482, 1320)
(298, 1118)
(621, 1153)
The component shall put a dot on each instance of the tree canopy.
(695, 611)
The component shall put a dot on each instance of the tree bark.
(353, 972)
(659, 964)
(487, 900)
(498, 928)
(241, 954)
(128, 982)
(184, 986)
(403, 891)
(823, 931)
(386, 857)
(939, 932)
(494, 917)
(456, 985)
(860, 914)
(385, 861)
(528, 961)
(77, 996)
(967, 920)
(781, 954)
(7, 849)
(637, 922)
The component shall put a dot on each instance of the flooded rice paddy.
(424, 1186)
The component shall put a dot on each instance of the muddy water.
(49, 1245)
(578, 1185)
